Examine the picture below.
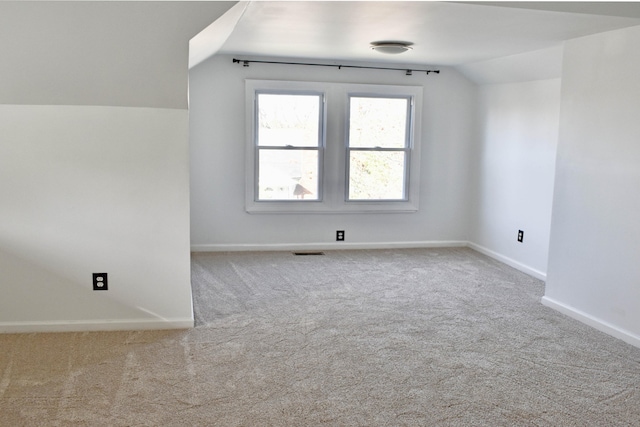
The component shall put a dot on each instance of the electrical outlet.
(520, 236)
(100, 282)
(340, 236)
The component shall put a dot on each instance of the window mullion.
(286, 148)
(405, 149)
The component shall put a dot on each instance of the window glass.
(378, 122)
(288, 175)
(376, 175)
(378, 148)
(288, 142)
(288, 120)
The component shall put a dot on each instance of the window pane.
(376, 175)
(288, 120)
(288, 175)
(378, 122)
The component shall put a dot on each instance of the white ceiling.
(135, 53)
(443, 33)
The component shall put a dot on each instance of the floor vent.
(308, 253)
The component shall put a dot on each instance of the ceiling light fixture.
(391, 48)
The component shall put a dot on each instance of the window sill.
(324, 208)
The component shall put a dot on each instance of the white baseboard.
(510, 262)
(594, 322)
(95, 325)
(326, 246)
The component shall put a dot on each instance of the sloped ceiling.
(443, 33)
(136, 53)
(99, 52)
(456, 34)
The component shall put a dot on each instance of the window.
(288, 145)
(332, 147)
(378, 147)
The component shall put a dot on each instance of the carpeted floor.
(415, 337)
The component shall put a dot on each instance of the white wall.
(217, 127)
(543, 64)
(594, 268)
(514, 172)
(93, 189)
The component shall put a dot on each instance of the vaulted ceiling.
(136, 53)
(443, 33)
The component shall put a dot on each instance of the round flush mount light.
(392, 48)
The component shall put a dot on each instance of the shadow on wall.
(53, 295)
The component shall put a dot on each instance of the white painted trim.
(325, 246)
(95, 325)
(509, 261)
(594, 322)
(332, 154)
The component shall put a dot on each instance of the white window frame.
(408, 144)
(319, 148)
(333, 190)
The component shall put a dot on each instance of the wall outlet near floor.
(100, 282)
(340, 236)
(520, 236)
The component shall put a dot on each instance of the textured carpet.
(416, 337)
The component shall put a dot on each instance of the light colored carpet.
(416, 337)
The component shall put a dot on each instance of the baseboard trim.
(326, 246)
(592, 321)
(509, 261)
(95, 325)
